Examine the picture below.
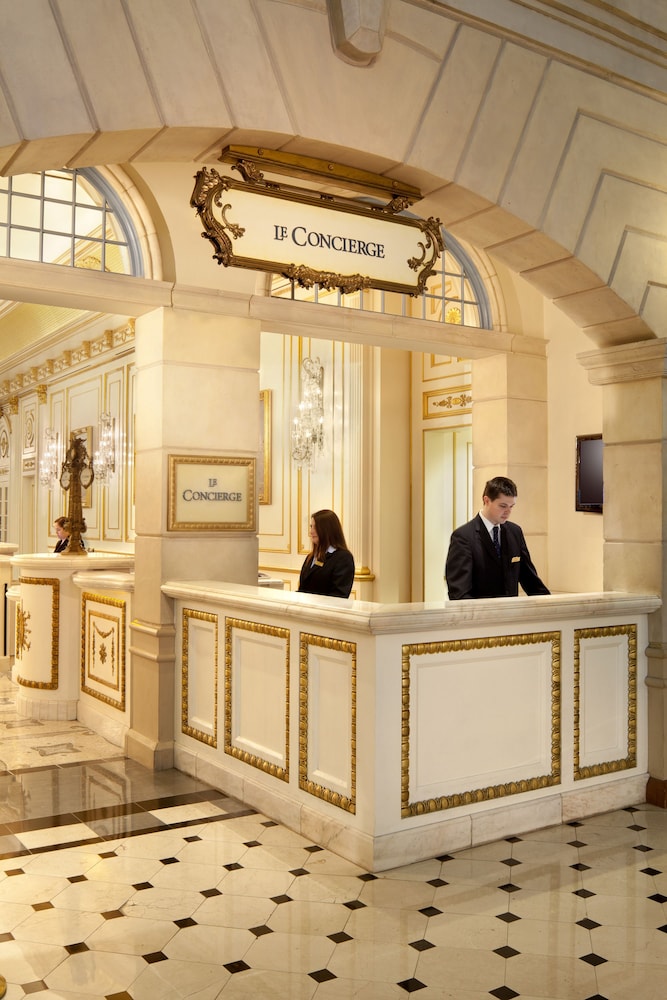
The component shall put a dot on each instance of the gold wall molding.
(469, 796)
(37, 378)
(103, 637)
(629, 761)
(189, 614)
(269, 767)
(307, 639)
(34, 581)
(443, 402)
(23, 630)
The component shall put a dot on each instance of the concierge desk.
(394, 733)
(70, 641)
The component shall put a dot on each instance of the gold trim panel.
(492, 791)
(445, 402)
(55, 632)
(186, 728)
(348, 803)
(249, 758)
(609, 766)
(101, 647)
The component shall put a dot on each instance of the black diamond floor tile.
(593, 959)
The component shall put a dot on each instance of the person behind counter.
(488, 556)
(328, 569)
(63, 531)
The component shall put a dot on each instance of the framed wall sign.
(209, 493)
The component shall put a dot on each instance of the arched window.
(69, 217)
(454, 294)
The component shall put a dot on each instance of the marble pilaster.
(197, 395)
(634, 381)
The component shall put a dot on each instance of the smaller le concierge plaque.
(211, 494)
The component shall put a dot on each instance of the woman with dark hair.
(63, 527)
(328, 569)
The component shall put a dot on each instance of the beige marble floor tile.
(466, 930)
(57, 926)
(208, 945)
(556, 906)
(174, 980)
(472, 899)
(277, 858)
(187, 813)
(25, 961)
(30, 888)
(290, 953)
(259, 984)
(544, 937)
(475, 871)
(387, 924)
(327, 888)
(98, 897)
(559, 977)
(623, 911)
(385, 962)
(186, 876)
(123, 869)
(162, 844)
(212, 852)
(636, 945)
(234, 911)
(421, 871)
(13, 914)
(354, 989)
(309, 917)
(97, 973)
(460, 969)
(403, 895)
(132, 936)
(64, 863)
(256, 882)
(636, 982)
(162, 904)
(33, 839)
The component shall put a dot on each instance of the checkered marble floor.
(122, 883)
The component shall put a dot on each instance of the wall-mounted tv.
(589, 489)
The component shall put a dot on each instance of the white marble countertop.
(365, 616)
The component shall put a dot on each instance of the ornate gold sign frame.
(214, 210)
(211, 493)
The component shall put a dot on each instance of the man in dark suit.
(488, 556)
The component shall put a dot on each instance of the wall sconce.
(308, 426)
(104, 462)
(48, 466)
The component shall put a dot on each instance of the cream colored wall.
(575, 407)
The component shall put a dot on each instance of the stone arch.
(548, 162)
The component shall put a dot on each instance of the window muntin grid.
(454, 294)
(67, 217)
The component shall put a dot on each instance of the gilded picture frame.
(264, 471)
(211, 493)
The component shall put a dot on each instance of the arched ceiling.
(539, 138)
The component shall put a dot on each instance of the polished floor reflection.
(122, 883)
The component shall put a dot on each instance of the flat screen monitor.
(589, 490)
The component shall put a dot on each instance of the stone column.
(509, 434)
(197, 394)
(634, 381)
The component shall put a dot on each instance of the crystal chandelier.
(48, 466)
(104, 462)
(308, 426)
